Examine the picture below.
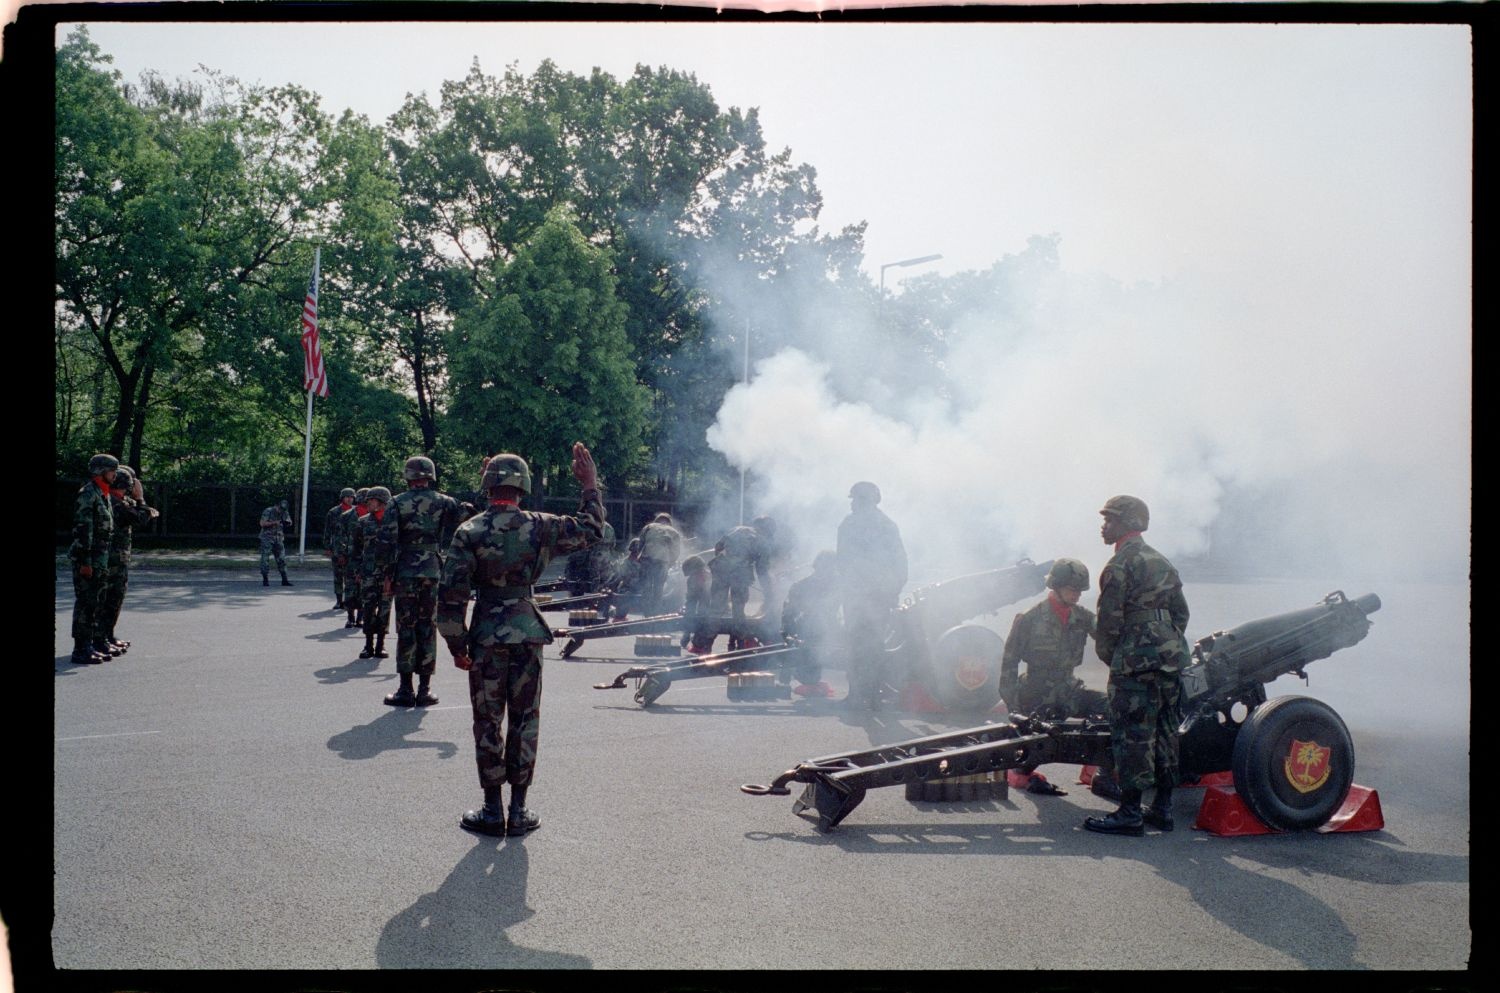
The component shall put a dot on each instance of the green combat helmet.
(419, 467)
(362, 494)
(865, 489)
(347, 491)
(1130, 510)
(1068, 572)
(100, 464)
(123, 478)
(378, 493)
(506, 469)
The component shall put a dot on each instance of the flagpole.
(307, 436)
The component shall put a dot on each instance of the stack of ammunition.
(656, 644)
(979, 786)
(756, 686)
(585, 618)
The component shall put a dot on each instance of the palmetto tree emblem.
(1307, 765)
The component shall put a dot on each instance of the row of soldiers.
(109, 507)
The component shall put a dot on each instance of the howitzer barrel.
(953, 601)
(1228, 663)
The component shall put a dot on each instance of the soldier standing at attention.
(1049, 638)
(872, 571)
(661, 545)
(330, 542)
(374, 574)
(128, 506)
(1142, 617)
(500, 553)
(344, 553)
(272, 542)
(417, 529)
(93, 526)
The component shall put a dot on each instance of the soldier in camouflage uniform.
(128, 507)
(872, 571)
(417, 529)
(1142, 619)
(743, 557)
(661, 546)
(1049, 638)
(375, 573)
(273, 521)
(93, 527)
(500, 553)
(811, 616)
(331, 523)
(343, 546)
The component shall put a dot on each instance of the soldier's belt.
(1142, 616)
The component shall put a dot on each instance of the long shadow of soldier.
(462, 924)
(357, 669)
(387, 733)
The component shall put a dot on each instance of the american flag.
(314, 376)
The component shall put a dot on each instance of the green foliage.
(544, 361)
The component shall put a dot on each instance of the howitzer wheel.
(1293, 763)
(965, 674)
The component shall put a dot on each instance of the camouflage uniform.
(375, 570)
(127, 512)
(1051, 649)
(332, 523)
(272, 542)
(418, 526)
(811, 615)
(501, 552)
(1142, 616)
(93, 528)
(344, 553)
(872, 572)
(661, 545)
(744, 558)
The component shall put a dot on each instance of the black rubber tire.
(1267, 778)
(965, 675)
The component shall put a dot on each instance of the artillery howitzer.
(654, 680)
(954, 667)
(1291, 757)
(750, 627)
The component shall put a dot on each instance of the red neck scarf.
(505, 504)
(1061, 609)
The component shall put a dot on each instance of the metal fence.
(228, 516)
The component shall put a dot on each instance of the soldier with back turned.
(331, 524)
(93, 526)
(499, 553)
(1142, 619)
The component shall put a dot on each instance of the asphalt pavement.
(233, 794)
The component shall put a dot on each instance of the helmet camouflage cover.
(102, 463)
(420, 467)
(346, 492)
(361, 494)
(1068, 572)
(506, 469)
(380, 493)
(123, 478)
(1130, 510)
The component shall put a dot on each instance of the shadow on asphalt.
(462, 924)
(190, 594)
(356, 669)
(387, 733)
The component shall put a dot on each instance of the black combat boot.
(369, 649)
(425, 697)
(487, 819)
(84, 654)
(1159, 814)
(403, 697)
(521, 820)
(1104, 784)
(1126, 820)
(123, 646)
(351, 622)
(265, 579)
(284, 580)
(102, 647)
(380, 652)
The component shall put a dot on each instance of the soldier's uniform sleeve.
(452, 517)
(1111, 620)
(568, 534)
(1177, 606)
(330, 526)
(1015, 645)
(387, 539)
(1090, 622)
(453, 593)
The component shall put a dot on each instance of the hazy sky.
(1285, 209)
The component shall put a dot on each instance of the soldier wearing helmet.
(128, 507)
(872, 572)
(661, 546)
(274, 521)
(744, 558)
(499, 554)
(1142, 619)
(417, 530)
(1049, 638)
(331, 539)
(374, 573)
(93, 527)
(344, 551)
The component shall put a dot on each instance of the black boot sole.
(1130, 832)
(495, 829)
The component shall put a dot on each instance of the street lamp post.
(902, 263)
